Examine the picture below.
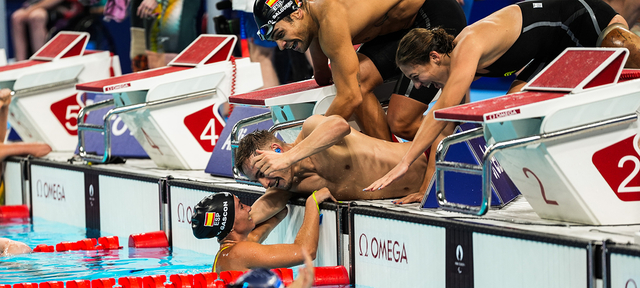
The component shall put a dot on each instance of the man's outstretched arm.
(318, 134)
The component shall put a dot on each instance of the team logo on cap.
(209, 218)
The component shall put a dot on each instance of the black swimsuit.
(382, 50)
(548, 28)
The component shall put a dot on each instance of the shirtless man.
(328, 153)
(223, 216)
(330, 28)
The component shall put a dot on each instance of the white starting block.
(289, 106)
(569, 142)
(173, 111)
(45, 104)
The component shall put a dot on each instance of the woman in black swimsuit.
(523, 37)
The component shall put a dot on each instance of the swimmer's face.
(425, 75)
(292, 35)
(242, 221)
(278, 179)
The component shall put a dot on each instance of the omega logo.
(91, 190)
(50, 190)
(459, 257)
(389, 250)
(630, 281)
(459, 253)
(184, 215)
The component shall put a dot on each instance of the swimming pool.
(78, 265)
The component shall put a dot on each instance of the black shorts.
(548, 28)
(382, 50)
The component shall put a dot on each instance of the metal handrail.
(36, 90)
(106, 128)
(485, 168)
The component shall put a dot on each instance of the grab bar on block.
(105, 129)
(485, 168)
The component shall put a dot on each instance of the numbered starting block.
(569, 141)
(174, 111)
(45, 104)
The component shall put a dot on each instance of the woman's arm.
(464, 63)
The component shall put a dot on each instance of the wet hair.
(414, 48)
(250, 143)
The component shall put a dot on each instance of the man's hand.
(324, 194)
(393, 175)
(411, 198)
(268, 161)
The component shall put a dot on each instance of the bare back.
(490, 38)
(366, 19)
(351, 165)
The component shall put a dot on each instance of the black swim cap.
(213, 216)
(268, 12)
(258, 278)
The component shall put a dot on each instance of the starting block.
(174, 111)
(569, 142)
(289, 105)
(221, 163)
(464, 188)
(45, 104)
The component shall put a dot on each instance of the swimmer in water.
(222, 216)
(10, 247)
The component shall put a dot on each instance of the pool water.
(76, 265)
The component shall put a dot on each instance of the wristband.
(315, 200)
(318, 206)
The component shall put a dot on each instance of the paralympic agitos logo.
(383, 249)
(50, 191)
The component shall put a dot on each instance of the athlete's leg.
(19, 34)
(38, 28)
(405, 116)
(369, 115)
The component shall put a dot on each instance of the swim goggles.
(265, 31)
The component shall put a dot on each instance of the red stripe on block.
(258, 97)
